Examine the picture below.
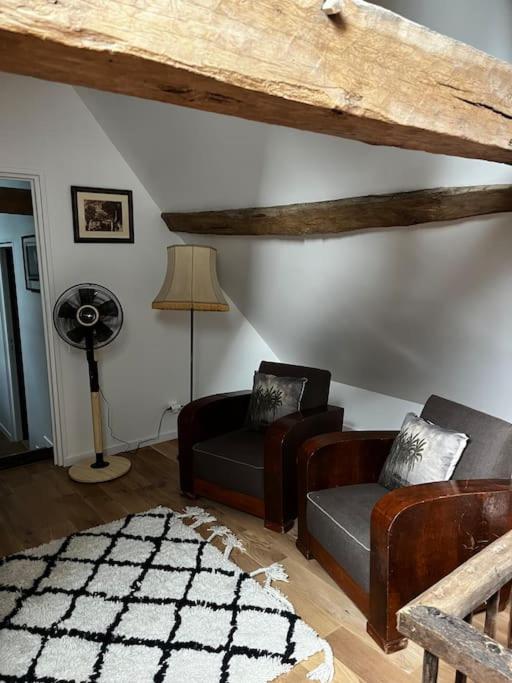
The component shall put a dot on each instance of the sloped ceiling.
(406, 312)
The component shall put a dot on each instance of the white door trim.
(44, 255)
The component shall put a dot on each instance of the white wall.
(12, 229)
(401, 313)
(46, 128)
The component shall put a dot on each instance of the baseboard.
(121, 448)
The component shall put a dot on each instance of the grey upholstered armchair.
(386, 547)
(255, 471)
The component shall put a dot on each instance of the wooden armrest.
(342, 459)
(400, 501)
(282, 441)
(203, 419)
(421, 533)
(304, 424)
(212, 415)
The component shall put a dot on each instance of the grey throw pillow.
(421, 453)
(273, 397)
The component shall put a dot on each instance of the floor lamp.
(191, 284)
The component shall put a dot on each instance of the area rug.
(147, 598)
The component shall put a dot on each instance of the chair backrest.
(316, 391)
(488, 454)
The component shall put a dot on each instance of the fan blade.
(102, 332)
(86, 296)
(77, 334)
(108, 308)
(67, 310)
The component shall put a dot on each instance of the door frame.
(18, 395)
(42, 232)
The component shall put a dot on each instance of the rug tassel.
(221, 531)
(190, 511)
(204, 518)
(231, 541)
(325, 672)
(199, 516)
(275, 572)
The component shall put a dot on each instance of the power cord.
(135, 450)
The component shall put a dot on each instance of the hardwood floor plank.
(366, 662)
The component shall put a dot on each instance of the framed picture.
(101, 215)
(30, 262)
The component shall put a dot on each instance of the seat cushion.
(339, 519)
(233, 461)
(488, 454)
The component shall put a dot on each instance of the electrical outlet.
(175, 406)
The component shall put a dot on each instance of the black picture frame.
(110, 213)
(30, 263)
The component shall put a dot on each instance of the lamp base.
(84, 473)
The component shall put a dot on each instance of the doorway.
(13, 406)
(25, 408)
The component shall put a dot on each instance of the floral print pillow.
(273, 397)
(421, 453)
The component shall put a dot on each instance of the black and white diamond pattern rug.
(143, 599)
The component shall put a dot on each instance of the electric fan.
(88, 317)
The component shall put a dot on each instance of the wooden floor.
(38, 502)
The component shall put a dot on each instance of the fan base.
(85, 474)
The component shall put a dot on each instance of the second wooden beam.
(348, 215)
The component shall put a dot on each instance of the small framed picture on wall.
(30, 262)
(101, 215)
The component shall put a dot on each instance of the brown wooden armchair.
(384, 548)
(254, 471)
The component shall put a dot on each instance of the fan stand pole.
(97, 470)
(99, 463)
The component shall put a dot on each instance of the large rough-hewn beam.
(366, 74)
(347, 215)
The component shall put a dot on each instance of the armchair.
(253, 471)
(383, 547)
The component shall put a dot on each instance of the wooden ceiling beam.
(348, 215)
(16, 200)
(366, 73)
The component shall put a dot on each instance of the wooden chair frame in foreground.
(439, 620)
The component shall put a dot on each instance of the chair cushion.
(233, 460)
(339, 519)
(274, 397)
(422, 452)
(488, 454)
(316, 391)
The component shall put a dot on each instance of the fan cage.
(79, 298)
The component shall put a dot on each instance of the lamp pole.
(191, 354)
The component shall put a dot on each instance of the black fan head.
(88, 314)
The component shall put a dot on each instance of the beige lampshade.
(191, 281)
